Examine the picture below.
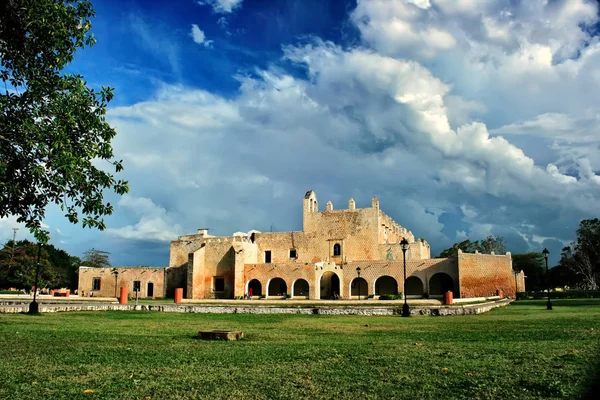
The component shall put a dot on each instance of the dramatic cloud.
(465, 117)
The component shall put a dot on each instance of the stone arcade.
(319, 262)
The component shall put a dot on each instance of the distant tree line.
(58, 269)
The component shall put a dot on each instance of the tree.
(582, 257)
(65, 266)
(96, 258)
(489, 244)
(53, 127)
(20, 271)
(533, 265)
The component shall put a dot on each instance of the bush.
(397, 296)
(521, 295)
(568, 294)
(10, 291)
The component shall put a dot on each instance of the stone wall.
(176, 278)
(126, 278)
(483, 274)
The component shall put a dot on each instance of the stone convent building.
(346, 253)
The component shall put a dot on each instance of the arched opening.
(386, 285)
(330, 285)
(254, 288)
(300, 289)
(337, 250)
(359, 288)
(440, 283)
(413, 286)
(277, 287)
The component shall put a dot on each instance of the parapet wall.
(482, 275)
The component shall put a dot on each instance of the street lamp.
(405, 310)
(116, 274)
(358, 280)
(34, 307)
(545, 252)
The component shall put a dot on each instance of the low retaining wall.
(18, 307)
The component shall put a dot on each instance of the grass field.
(516, 352)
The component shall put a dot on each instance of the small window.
(267, 256)
(219, 284)
(293, 253)
(150, 290)
(96, 284)
(337, 249)
(136, 286)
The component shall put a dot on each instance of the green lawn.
(519, 351)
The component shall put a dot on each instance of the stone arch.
(256, 287)
(413, 286)
(385, 285)
(329, 285)
(300, 288)
(276, 287)
(440, 283)
(359, 288)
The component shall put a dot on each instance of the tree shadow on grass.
(592, 391)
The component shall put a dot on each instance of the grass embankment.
(519, 351)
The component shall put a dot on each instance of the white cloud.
(488, 105)
(199, 37)
(222, 6)
(360, 121)
(155, 223)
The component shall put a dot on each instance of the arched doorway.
(254, 288)
(277, 287)
(385, 285)
(359, 288)
(300, 288)
(413, 286)
(440, 283)
(330, 285)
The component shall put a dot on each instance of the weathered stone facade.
(322, 261)
(106, 282)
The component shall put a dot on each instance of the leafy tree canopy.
(487, 245)
(533, 265)
(52, 125)
(18, 259)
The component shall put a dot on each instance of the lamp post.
(545, 252)
(405, 310)
(116, 274)
(34, 307)
(358, 281)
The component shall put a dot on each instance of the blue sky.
(465, 117)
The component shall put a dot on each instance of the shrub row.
(397, 296)
(568, 294)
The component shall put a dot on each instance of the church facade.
(346, 253)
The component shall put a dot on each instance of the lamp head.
(404, 244)
(545, 252)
